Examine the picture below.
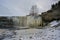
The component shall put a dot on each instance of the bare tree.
(34, 10)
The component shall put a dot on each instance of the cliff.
(52, 14)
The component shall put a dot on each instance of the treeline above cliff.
(52, 14)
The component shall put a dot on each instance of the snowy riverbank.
(31, 34)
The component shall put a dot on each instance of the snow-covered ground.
(47, 33)
(31, 34)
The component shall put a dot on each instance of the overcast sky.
(22, 7)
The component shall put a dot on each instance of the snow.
(32, 34)
(54, 23)
(47, 33)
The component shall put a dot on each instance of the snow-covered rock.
(54, 23)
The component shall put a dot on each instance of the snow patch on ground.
(32, 34)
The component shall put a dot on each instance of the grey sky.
(22, 7)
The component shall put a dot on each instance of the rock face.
(19, 20)
(5, 22)
(53, 13)
(34, 21)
